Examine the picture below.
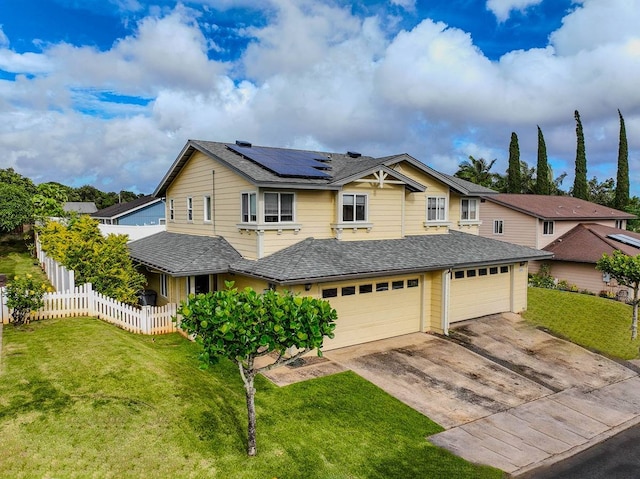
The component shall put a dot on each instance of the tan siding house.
(381, 239)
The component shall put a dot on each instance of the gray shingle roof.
(119, 209)
(184, 255)
(320, 260)
(343, 167)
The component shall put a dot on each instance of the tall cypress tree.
(622, 182)
(514, 175)
(580, 186)
(543, 175)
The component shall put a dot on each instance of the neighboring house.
(80, 207)
(390, 242)
(146, 210)
(577, 252)
(537, 220)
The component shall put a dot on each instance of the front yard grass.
(599, 324)
(81, 398)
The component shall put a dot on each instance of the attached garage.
(373, 309)
(476, 292)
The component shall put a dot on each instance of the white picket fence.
(61, 278)
(84, 301)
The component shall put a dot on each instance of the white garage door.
(374, 309)
(478, 292)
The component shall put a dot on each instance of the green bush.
(24, 295)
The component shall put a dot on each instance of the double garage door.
(374, 309)
(478, 292)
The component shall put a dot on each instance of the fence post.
(145, 326)
(4, 311)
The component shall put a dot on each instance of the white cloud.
(503, 8)
(317, 76)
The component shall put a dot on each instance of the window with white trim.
(354, 207)
(547, 228)
(620, 224)
(436, 208)
(171, 210)
(278, 207)
(189, 208)
(164, 285)
(207, 208)
(498, 227)
(249, 208)
(469, 209)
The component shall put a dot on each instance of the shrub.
(607, 294)
(24, 295)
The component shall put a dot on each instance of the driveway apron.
(513, 397)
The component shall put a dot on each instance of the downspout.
(446, 286)
(213, 200)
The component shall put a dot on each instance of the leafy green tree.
(544, 178)
(476, 171)
(580, 187)
(622, 183)
(602, 193)
(10, 176)
(24, 294)
(626, 271)
(514, 179)
(15, 206)
(48, 201)
(104, 262)
(245, 325)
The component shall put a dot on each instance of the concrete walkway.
(546, 430)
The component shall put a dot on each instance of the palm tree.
(476, 171)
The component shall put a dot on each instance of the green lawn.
(599, 324)
(15, 258)
(81, 398)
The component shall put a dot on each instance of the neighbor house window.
(171, 210)
(249, 208)
(164, 285)
(207, 208)
(278, 207)
(469, 209)
(547, 228)
(620, 224)
(190, 209)
(498, 227)
(436, 208)
(354, 207)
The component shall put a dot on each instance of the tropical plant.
(477, 171)
(245, 325)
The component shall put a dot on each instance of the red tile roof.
(557, 207)
(587, 242)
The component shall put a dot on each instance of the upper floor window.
(249, 208)
(278, 207)
(547, 227)
(207, 208)
(354, 207)
(620, 224)
(498, 227)
(436, 208)
(171, 210)
(469, 209)
(190, 209)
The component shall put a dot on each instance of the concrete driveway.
(509, 395)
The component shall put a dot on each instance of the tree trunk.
(248, 375)
(634, 321)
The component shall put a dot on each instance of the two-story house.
(390, 242)
(576, 231)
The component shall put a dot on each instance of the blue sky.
(107, 92)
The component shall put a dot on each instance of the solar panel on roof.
(626, 239)
(283, 162)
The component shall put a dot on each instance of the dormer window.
(354, 207)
